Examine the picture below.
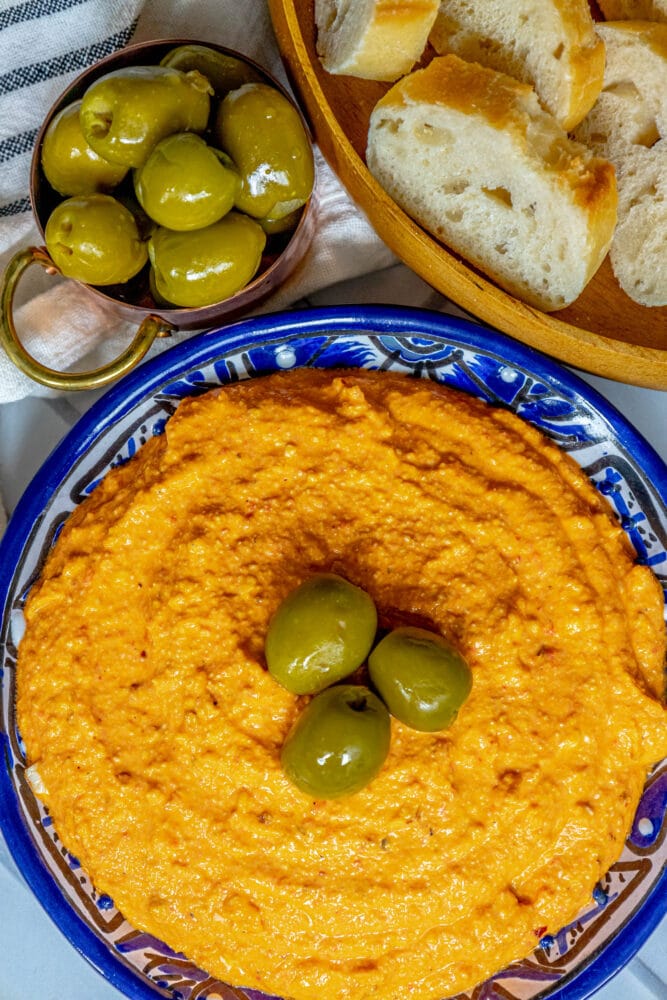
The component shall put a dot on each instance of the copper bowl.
(133, 301)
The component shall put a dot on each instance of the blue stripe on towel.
(78, 59)
(15, 208)
(33, 9)
(16, 145)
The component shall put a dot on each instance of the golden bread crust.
(564, 61)
(456, 96)
(375, 41)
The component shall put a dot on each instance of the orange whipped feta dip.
(147, 709)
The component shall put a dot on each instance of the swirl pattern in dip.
(145, 704)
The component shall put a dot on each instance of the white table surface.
(50, 968)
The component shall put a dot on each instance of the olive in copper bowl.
(175, 180)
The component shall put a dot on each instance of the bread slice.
(550, 44)
(634, 10)
(632, 108)
(639, 252)
(373, 39)
(470, 154)
(628, 125)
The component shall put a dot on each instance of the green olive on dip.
(320, 634)
(421, 677)
(339, 742)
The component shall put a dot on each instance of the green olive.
(126, 196)
(422, 679)
(264, 135)
(338, 743)
(95, 239)
(158, 299)
(69, 164)
(203, 266)
(224, 72)
(184, 185)
(320, 634)
(125, 113)
(285, 224)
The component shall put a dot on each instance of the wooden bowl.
(603, 332)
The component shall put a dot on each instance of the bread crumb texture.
(469, 153)
(628, 126)
(550, 44)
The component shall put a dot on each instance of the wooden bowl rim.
(582, 348)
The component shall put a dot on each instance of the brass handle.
(150, 328)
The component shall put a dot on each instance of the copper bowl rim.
(267, 280)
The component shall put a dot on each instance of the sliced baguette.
(372, 39)
(550, 44)
(628, 126)
(639, 252)
(470, 154)
(634, 10)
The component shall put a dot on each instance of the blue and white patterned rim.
(629, 902)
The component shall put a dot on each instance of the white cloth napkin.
(44, 45)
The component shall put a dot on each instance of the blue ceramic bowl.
(633, 896)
